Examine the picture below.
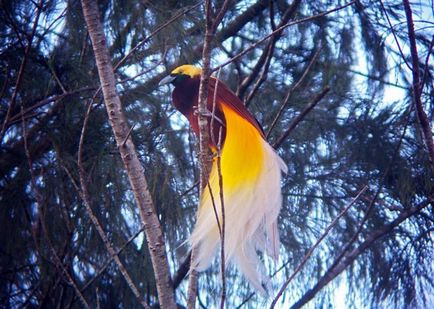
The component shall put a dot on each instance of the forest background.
(344, 91)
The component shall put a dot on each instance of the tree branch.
(21, 71)
(309, 253)
(204, 157)
(417, 85)
(85, 195)
(154, 235)
(300, 116)
(295, 22)
(291, 91)
(351, 256)
(265, 59)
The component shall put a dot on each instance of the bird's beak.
(167, 79)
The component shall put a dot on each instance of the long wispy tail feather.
(251, 174)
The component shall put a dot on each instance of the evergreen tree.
(342, 96)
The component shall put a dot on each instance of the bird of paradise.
(251, 174)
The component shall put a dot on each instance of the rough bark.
(204, 156)
(212, 23)
(129, 156)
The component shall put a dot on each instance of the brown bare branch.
(394, 35)
(310, 251)
(301, 116)
(264, 61)
(291, 91)
(417, 85)
(350, 257)
(156, 31)
(85, 196)
(204, 157)
(21, 72)
(220, 224)
(182, 271)
(223, 228)
(129, 156)
(299, 21)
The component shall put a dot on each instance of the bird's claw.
(207, 113)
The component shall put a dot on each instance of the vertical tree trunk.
(127, 150)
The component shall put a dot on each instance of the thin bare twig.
(291, 91)
(190, 189)
(376, 78)
(182, 271)
(263, 76)
(153, 33)
(352, 255)
(211, 25)
(213, 115)
(426, 70)
(221, 225)
(417, 85)
(59, 82)
(299, 21)
(222, 233)
(21, 72)
(44, 102)
(85, 196)
(219, 16)
(110, 259)
(300, 116)
(338, 262)
(265, 60)
(309, 253)
(5, 83)
(394, 35)
(128, 135)
(145, 71)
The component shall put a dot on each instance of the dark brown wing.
(185, 99)
(226, 96)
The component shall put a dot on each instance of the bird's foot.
(207, 113)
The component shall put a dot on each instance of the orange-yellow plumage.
(243, 138)
(251, 173)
